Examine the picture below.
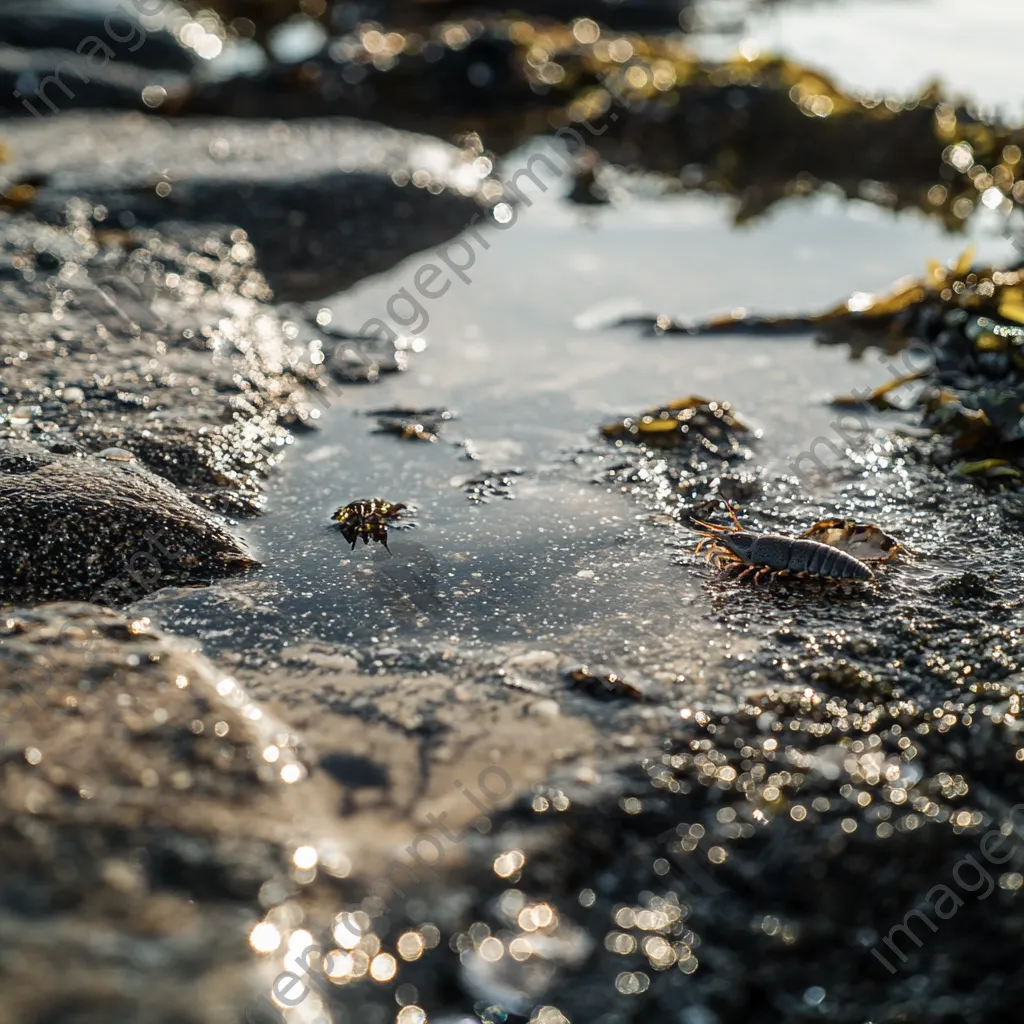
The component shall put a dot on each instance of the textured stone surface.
(324, 202)
(139, 817)
(164, 341)
(150, 811)
(165, 349)
(101, 528)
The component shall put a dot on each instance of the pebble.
(116, 455)
(545, 709)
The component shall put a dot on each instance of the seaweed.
(412, 424)
(685, 425)
(603, 683)
(968, 323)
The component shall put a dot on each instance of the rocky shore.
(136, 318)
(807, 811)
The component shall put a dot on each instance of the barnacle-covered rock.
(101, 528)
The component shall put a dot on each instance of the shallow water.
(878, 46)
(571, 563)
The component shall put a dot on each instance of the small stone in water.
(73, 396)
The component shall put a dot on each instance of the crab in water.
(368, 518)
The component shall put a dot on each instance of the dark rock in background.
(325, 203)
(56, 56)
(341, 15)
(51, 25)
(119, 86)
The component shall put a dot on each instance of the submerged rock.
(101, 528)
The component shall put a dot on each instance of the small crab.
(368, 518)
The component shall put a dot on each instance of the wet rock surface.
(812, 813)
(139, 817)
(100, 528)
(148, 345)
(153, 814)
(821, 827)
(325, 203)
(165, 343)
(57, 56)
(55, 26)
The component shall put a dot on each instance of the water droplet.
(814, 996)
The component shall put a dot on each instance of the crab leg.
(732, 514)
